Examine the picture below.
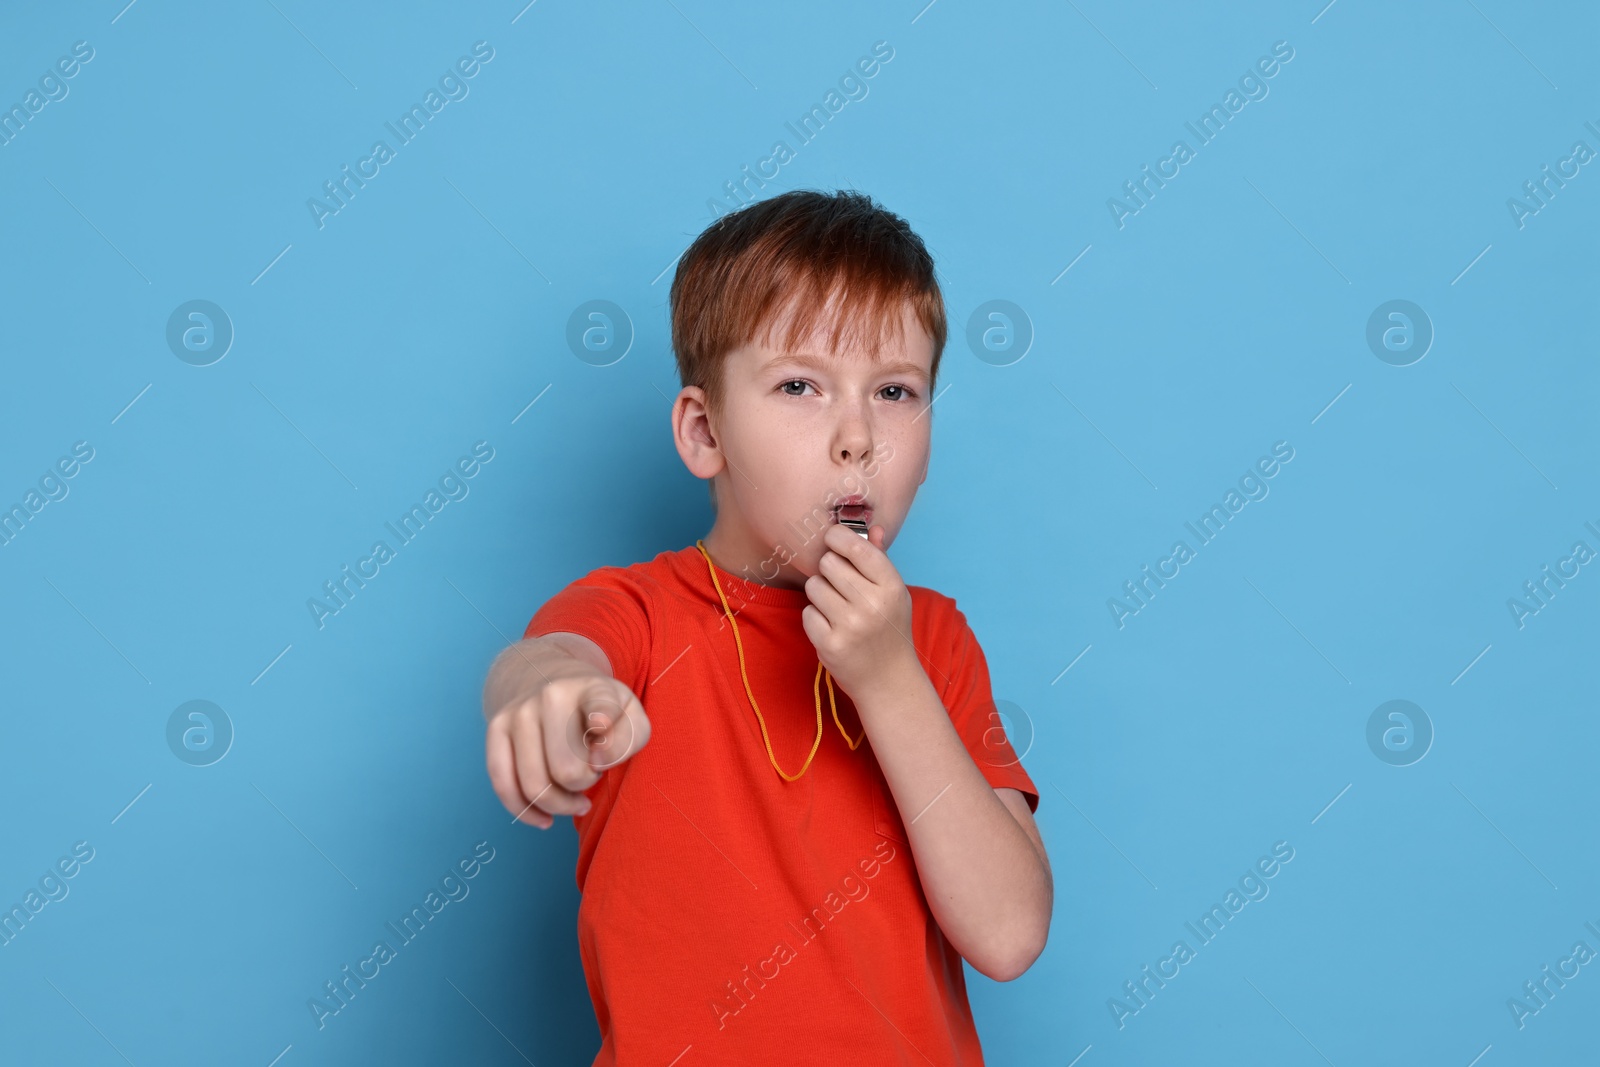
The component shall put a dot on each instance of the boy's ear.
(694, 435)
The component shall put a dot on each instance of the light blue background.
(1225, 316)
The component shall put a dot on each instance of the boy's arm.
(982, 864)
(520, 669)
(978, 852)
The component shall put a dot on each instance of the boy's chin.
(809, 561)
(808, 564)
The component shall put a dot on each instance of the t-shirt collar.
(740, 591)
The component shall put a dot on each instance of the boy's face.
(798, 433)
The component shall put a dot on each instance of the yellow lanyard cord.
(816, 687)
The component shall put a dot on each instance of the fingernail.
(584, 806)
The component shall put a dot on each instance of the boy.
(819, 914)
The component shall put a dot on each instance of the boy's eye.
(899, 392)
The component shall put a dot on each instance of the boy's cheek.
(880, 455)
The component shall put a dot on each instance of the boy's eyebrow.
(807, 360)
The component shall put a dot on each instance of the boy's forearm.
(523, 667)
(985, 883)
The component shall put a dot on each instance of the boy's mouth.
(853, 512)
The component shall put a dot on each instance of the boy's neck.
(739, 553)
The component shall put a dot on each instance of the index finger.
(609, 732)
(868, 558)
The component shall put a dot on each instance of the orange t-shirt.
(729, 916)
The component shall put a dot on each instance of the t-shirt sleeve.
(967, 697)
(610, 608)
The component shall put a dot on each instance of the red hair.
(791, 253)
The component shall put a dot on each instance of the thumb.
(876, 535)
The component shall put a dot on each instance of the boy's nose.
(853, 436)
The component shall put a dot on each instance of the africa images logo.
(735, 998)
